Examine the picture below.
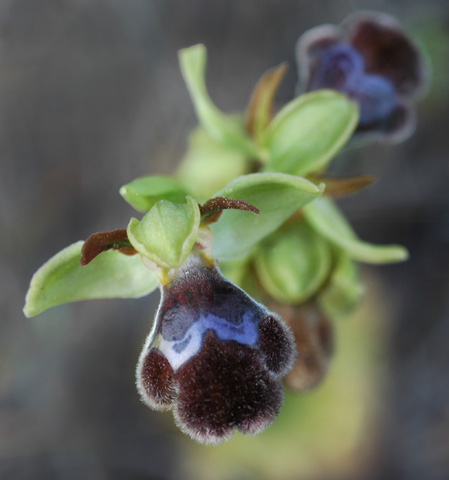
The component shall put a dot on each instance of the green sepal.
(208, 165)
(307, 132)
(143, 192)
(167, 233)
(276, 195)
(63, 279)
(343, 291)
(225, 129)
(324, 216)
(293, 263)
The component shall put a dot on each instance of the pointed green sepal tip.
(144, 192)
(167, 233)
(276, 195)
(228, 130)
(63, 279)
(326, 219)
(306, 133)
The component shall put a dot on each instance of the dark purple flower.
(371, 59)
(214, 355)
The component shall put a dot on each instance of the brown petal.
(259, 110)
(211, 210)
(314, 338)
(102, 241)
(341, 186)
(387, 50)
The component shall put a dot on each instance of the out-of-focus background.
(90, 98)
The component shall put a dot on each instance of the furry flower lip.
(371, 59)
(214, 355)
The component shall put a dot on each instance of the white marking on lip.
(244, 333)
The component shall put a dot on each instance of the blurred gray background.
(90, 98)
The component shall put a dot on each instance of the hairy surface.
(216, 356)
(199, 301)
(223, 388)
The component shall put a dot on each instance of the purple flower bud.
(372, 60)
(214, 355)
(314, 338)
(341, 67)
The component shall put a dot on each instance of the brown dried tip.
(102, 241)
(212, 209)
(340, 186)
(260, 108)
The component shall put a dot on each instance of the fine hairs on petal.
(214, 355)
(202, 435)
(225, 387)
(155, 381)
(277, 343)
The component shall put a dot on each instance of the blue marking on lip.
(180, 351)
(342, 67)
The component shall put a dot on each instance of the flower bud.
(314, 338)
(370, 58)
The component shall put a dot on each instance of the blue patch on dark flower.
(215, 356)
(336, 66)
(341, 67)
(370, 58)
(179, 352)
(184, 318)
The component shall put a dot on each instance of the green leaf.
(110, 275)
(276, 195)
(307, 132)
(324, 216)
(344, 290)
(142, 193)
(208, 165)
(293, 263)
(227, 130)
(167, 232)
